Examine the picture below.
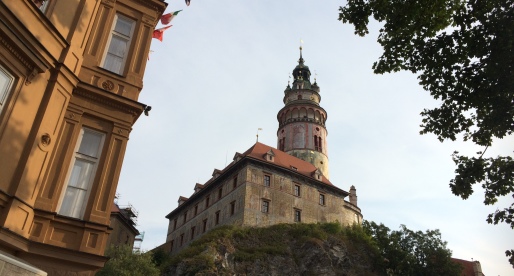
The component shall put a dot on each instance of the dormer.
(182, 199)
(269, 156)
(216, 173)
(238, 156)
(317, 175)
(198, 187)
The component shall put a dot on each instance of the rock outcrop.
(281, 250)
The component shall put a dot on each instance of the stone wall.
(10, 265)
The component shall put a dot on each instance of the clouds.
(219, 75)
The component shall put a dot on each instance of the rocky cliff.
(286, 249)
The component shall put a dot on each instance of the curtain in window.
(82, 174)
(119, 44)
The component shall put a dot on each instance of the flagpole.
(258, 134)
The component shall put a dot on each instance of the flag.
(166, 19)
(160, 32)
(188, 2)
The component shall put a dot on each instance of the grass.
(248, 244)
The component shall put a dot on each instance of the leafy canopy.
(463, 54)
(123, 262)
(408, 252)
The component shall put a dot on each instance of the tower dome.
(301, 132)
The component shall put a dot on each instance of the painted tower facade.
(301, 131)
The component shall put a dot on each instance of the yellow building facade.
(70, 77)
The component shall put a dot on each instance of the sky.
(220, 73)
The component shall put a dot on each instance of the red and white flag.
(159, 33)
(166, 19)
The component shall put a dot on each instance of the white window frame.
(78, 208)
(6, 82)
(44, 6)
(128, 40)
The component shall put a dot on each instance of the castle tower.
(301, 131)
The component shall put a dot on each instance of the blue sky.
(219, 75)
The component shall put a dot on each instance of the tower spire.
(301, 61)
(302, 131)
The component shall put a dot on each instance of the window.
(282, 141)
(6, 81)
(181, 239)
(320, 148)
(234, 183)
(185, 217)
(196, 209)
(207, 199)
(82, 173)
(41, 4)
(171, 244)
(265, 206)
(232, 207)
(118, 44)
(267, 180)
(174, 224)
(316, 147)
(297, 190)
(217, 218)
(192, 232)
(321, 199)
(204, 226)
(220, 193)
(297, 215)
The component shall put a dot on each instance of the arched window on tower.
(319, 144)
(315, 142)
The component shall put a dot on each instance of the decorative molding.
(109, 2)
(105, 101)
(150, 4)
(148, 19)
(32, 69)
(31, 76)
(45, 139)
(107, 85)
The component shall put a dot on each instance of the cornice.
(152, 4)
(93, 95)
(32, 68)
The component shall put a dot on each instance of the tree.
(123, 262)
(463, 53)
(407, 252)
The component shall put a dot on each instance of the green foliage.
(462, 52)
(159, 257)
(402, 252)
(408, 252)
(123, 262)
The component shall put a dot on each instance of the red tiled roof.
(115, 208)
(467, 267)
(283, 160)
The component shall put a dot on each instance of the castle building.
(123, 224)
(265, 185)
(70, 77)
